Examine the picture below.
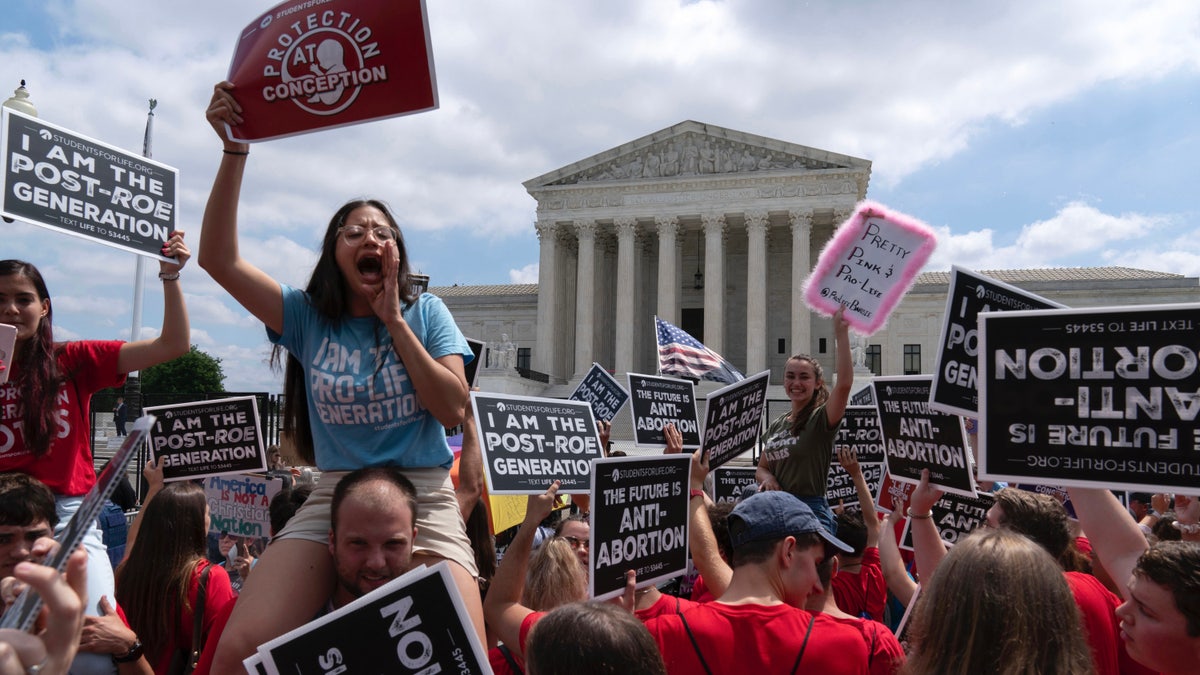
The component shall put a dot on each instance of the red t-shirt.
(862, 592)
(700, 592)
(67, 469)
(759, 639)
(1097, 607)
(496, 658)
(666, 604)
(885, 655)
(218, 594)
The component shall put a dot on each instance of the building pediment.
(694, 150)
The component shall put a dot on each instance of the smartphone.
(8, 342)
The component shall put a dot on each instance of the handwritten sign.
(602, 391)
(659, 401)
(208, 438)
(918, 437)
(733, 418)
(239, 504)
(63, 181)
(868, 265)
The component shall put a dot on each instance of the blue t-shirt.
(362, 405)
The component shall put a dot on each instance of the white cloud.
(526, 275)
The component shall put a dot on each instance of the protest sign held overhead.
(868, 265)
(729, 481)
(639, 521)
(602, 391)
(303, 66)
(956, 516)
(208, 438)
(955, 383)
(892, 493)
(733, 418)
(530, 442)
(1102, 397)
(839, 487)
(415, 624)
(63, 181)
(864, 396)
(656, 402)
(860, 431)
(918, 437)
(239, 504)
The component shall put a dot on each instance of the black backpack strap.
(804, 645)
(512, 662)
(695, 646)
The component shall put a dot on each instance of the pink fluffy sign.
(869, 265)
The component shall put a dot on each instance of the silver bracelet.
(174, 276)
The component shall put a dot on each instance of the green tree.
(193, 372)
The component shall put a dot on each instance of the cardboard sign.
(416, 623)
(728, 482)
(733, 418)
(471, 370)
(918, 437)
(864, 396)
(304, 66)
(1103, 397)
(602, 391)
(839, 487)
(656, 402)
(955, 384)
(860, 431)
(868, 265)
(208, 438)
(639, 521)
(528, 443)
(956, 516)
(61, 180)
(239, 504)
(891, 493)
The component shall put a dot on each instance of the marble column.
(668, 277)
(714, 281)
(546, 350)
(756, 291)
(801, 224)
(626, 230)
(585, 294)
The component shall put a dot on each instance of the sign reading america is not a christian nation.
(917, 437)
(656, 402)
(955, 385)
(733, 418)
(240, 505)
(602, 391)
(530, 442)
(58, 179)
(639, 521)
(729, 481)
(1102, 397)
(208, 438)
(416, 624)
(303, 66)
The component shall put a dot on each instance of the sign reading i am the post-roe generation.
(602, 391)
(530, 442)
(918, 437)
(955, 387)
(64, 181)
(639, 521)
(1103, 397)
(656, 402)
(860, 431)
(207, 438)
(733, 418)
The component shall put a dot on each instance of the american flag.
(682, 355)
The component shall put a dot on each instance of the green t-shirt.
(801, 463)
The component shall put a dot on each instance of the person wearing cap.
(756, 625)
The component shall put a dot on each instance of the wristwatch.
(134, 653)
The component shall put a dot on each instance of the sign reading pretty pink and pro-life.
(306, 65)
(868, 266)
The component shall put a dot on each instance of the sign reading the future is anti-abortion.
(207, 438)
(656, 402)
(956, 516)
(63, 181)
(918, 437)
(728, 482)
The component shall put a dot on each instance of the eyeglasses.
(576, 542)
(355, 233)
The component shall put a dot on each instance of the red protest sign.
(306, 65)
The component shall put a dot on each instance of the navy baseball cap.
(773, 515)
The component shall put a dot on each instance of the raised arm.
(470, 466)
(706, 555)
(839, 396)
(928, 547)
(251, 287)
(153, 472)
(174, 339)
(898, 582)
(1115, 536)
(866, 501)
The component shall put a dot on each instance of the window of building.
(912, 359)
(523, 356)
(874, 359)
(821, 346)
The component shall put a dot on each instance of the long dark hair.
(328, 293)
(819, 396)
(153, 582)
(36, 358)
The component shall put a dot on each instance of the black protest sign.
(839, 487)
(63, 181)
(1103, 397)
(733, 418)
(956, 516)
(639, 521)
(471, 370)
(530, 442)
(602, 391)
(860, 431)
(656, 402)
(208, 438)
(917, 437)
(416, 623)
(864, 396)
(955, 385)
(728, 482)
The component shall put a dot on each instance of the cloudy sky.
(1029, 134)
